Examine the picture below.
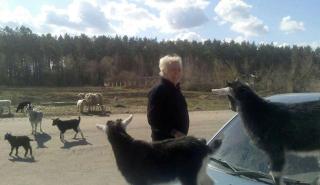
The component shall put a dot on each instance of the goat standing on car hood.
(276, 128)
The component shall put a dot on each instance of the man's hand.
(177, 133)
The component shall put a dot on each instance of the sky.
(280, 22)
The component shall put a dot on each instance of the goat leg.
(81, 133)
(32, 128)
(61, 138)
(17, 151)
(30, 151)
(26, 151)
(11, 150)
(75, 135)
(277, 160)
(35, 130)
(41, 127)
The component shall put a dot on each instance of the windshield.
(238, 150)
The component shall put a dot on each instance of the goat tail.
(79, 118)
(101, 127)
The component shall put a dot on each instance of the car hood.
(221, 177)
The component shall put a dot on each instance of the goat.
(35, 118)
(144, 163)
(276, 128)
(22, 105)
(66, 125)
(17, 141)
(94, 99)
(81, 95)
(5, 103)
(80, 105)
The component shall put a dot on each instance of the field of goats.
(80, 161)
(61, 101)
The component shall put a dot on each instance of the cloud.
(237, 13)
(190, 36)
(290, 26)
(78, 17)
(128, 18)
(179, 15)
(168, 4)
(181, 18)
(16, 17)
(123, 17)
(237, 39)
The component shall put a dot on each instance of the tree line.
(29, 59)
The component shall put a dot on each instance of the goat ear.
(108, 123)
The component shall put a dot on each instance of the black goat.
(66, 125)
(143, 163)
(276, 128)
(17, 141)
(22, 105)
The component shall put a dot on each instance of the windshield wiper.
(224, 163)
(250, 174)
(258, 176)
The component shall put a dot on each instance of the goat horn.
(101, 127)
(127, 121)
(222, 91)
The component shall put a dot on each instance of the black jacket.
(167, 111)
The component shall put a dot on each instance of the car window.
(239, 151)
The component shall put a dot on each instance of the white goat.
(5, 103)
(81, 104)
(35, 118)
(93, 100)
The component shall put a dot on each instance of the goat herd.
(35, 118)
(274, 127)
(91, 100)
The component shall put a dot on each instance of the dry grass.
(58, 101)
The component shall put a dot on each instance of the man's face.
(174, 73)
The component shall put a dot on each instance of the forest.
(28, 59)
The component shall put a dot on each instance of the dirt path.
(81, 162)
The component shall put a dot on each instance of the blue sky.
(284, 22)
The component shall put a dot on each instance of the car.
(239, 162)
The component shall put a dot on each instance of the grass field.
(59, 101)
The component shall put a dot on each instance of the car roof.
(294, 97)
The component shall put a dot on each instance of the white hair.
(167, 60)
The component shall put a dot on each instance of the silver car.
(239, 162)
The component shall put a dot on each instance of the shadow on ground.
(6, 115)
(20, 159)
(78, 142)
(41, 139)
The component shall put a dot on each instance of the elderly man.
(167, 108)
